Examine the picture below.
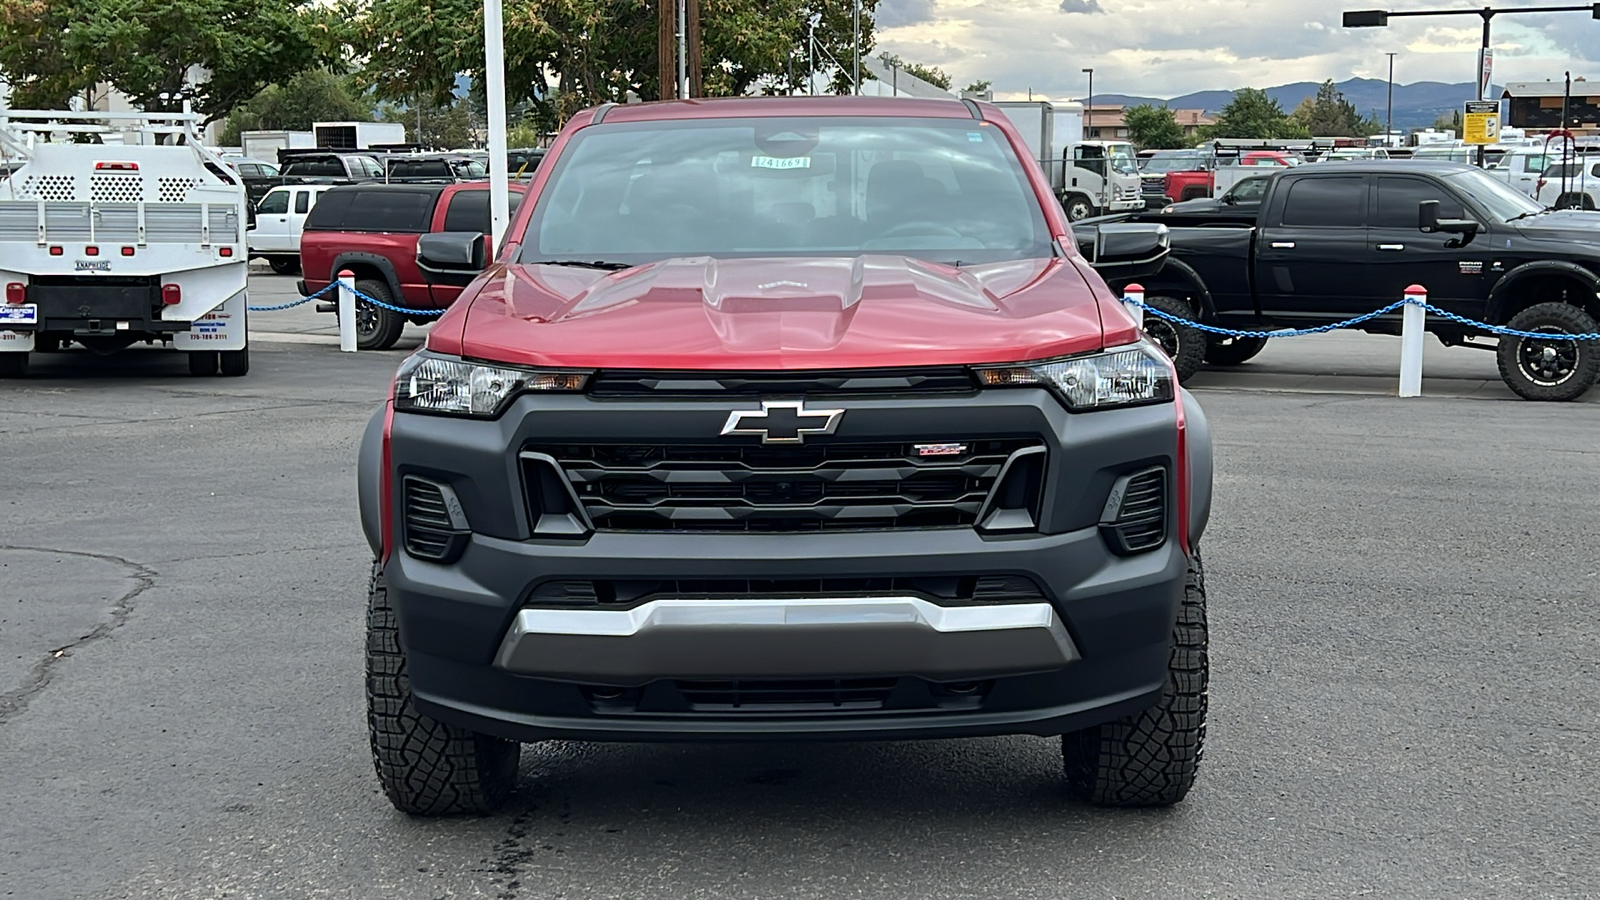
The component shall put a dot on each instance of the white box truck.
(264, 145)
(1090, 178)
(357, 135)
(108, 245)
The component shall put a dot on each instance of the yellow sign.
(1480, 123)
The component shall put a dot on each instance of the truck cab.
(1090, 178)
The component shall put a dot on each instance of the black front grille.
(948, 589)
(787, 696)
(1141, 523)
(811, 487)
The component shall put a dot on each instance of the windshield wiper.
(1532, 212)
(582, 263)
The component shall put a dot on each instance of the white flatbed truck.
(111, 244)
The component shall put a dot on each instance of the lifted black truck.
(1334, 242)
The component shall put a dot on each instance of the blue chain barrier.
(334, 286)
(1323, 329)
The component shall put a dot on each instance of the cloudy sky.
(1164, 48)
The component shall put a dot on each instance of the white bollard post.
(347, 311)
(1413, 325)
(1135, 292)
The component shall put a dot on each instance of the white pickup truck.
(108, 244)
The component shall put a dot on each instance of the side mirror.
(451, 252)
(1428, 221)
(1124, 249)
(1227, 200)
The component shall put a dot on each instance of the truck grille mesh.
(787, 696)
(814, 487)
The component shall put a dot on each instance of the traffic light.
(1371, 18)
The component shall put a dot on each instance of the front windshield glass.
(1500, 199)
(1160, 165)
(1123, 159)
(1250, 190)
(938, 189)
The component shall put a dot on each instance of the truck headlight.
(1130, 375)
(440, 384)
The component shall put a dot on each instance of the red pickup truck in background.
(1224, 172)
(372, 230)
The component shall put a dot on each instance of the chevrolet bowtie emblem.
(782, 421)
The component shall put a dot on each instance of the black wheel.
(1078, 208)
(426, 767)
(376, 328)
(1554, 369)
(1185, 344)
(235, 362)
(1150, 759)
(1232, 351)
(1575, 200)
(284, 265)
(203, 362)
(13, 365)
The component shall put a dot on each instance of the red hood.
(702, 313)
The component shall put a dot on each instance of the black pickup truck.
(1336, 240)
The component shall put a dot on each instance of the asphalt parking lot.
(1403, 699)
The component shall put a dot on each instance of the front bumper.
(484, 653)
(1133, 205)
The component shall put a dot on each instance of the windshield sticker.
(975, 137)
(780, 162)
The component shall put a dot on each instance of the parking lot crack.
(15, 702)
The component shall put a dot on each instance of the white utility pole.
(855, 74)
(683, 49)
(494, 74)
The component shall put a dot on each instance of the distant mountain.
(1415, 105)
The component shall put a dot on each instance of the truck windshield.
(1123, 159)
(1160, 165)
(937, 189)
(1500, 199)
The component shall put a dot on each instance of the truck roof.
(741, 107)
(1384, 167)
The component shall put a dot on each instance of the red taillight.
(116, 167)
(225, 251)
(91, 251)
(56, 251)
(127, 251)
(16, 293)
(171, 294)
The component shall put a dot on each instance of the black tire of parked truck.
(426, 767)
(1150, 759)
(1185, 344)
(1077, 207)
(203, 363)
(284, 265)
(235, 362)
(376, 328)
(13, 365)
(1550, 369)
(1232, 351)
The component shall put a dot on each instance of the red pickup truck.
(1227, 171)
(372, 230)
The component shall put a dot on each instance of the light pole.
(494, 78)
(1379, 18)
(855, 25)
(1388, 119)
(1088, 109)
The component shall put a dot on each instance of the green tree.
(434, 126)
(931, 74)
(313, 96)
(563, 55)
(1252, 114)
(978, 87)
(216, 54)
(1154, 128)
(1329, 114)
(1448, 121)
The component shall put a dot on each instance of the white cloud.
(1163, 48)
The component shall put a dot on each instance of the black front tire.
(1232, 351)
(1150, 759)
(426, 767)
(13, 365)
(376, 328)
(235, 362)
(1184, 343)
(1078, 208)
(203, 363)
(1555, 369)
(284, 265)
